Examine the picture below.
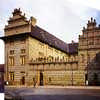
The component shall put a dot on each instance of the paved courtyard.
(54, 93)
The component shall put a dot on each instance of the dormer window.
(11, 42)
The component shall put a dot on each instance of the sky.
(62, 18)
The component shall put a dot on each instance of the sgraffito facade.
(89, 52)
(34, 56)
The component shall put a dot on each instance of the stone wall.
(56, 74)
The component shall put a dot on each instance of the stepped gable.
(18, 25)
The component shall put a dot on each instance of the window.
(88, 58)
(23, 41)
(72, 58)
(22, 50)
(76, 58)
(98, 41)
(22, 73)
(11, 76)
(91, 43)
(69, 58)
(11, 52)
(98, 57)
(49, 79)
(22, 60)
(66, 59)
(57, 58)
(11, 61)
(82, 58)
(50, 58)
(74, 66)
(11, 42)
(40, 59)
(63, 58)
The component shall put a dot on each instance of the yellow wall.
(39, 49)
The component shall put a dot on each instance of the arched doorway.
(23, 80)
(41, 78)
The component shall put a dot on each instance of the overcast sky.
(62, 18)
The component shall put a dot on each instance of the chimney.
(33, 21)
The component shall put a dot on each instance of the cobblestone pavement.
(55, 93)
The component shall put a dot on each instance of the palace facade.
(34, 56)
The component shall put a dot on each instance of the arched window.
(66, 59)
(63, 58)
(88, 58)
(98, 57)
(76, 58)
(82, 58)
(58, 58)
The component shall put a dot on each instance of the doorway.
(86, 79)
(23, 80)
(41, 78)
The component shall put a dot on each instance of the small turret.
(94, 21)
(17, 12)
(73, 42)
(91, 19)
(84, 29)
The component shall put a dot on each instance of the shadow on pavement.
(57, 97)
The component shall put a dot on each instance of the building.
(89, 52)
(34, 56)
(1, 78)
